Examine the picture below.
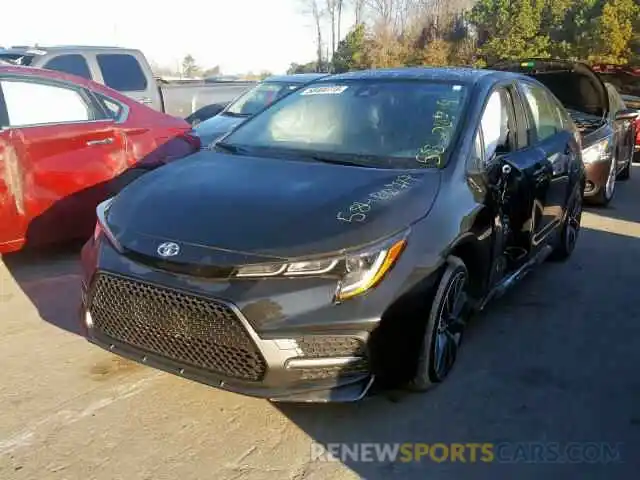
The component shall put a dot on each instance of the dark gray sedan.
(344, 234)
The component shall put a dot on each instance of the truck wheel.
(445, 323)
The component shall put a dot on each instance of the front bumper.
(597, 174)
(289, 342)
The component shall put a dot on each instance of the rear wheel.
(445, 324)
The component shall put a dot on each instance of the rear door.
(558, 143)
(70, 149)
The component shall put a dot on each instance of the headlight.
(597, 153)
(102, 226)
(356, 272)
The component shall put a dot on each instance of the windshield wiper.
(229, 147)
(336, 161)
(234, 114)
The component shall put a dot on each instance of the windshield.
(386, 123)
(260, 97)
(16, 58)
(627, 83)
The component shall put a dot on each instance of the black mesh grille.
(187, 329)
(322, 373)
(318, 346)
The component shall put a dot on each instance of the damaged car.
(67, 144)
(344, 235)
(607, 152)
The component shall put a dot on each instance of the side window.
(73, 64)
(122, 72)
(32, 103)
(114, 109)
(544, 113)
(497, 125)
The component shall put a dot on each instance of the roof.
(42, 49)
(301, 78)
(453, 74)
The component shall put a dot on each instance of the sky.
(238, 35)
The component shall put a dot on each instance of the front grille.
(187, 329)
(323, 373)
(318, 346)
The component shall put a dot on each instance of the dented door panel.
(12, 209)
(66, 169)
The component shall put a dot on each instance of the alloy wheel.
(611, 180)
(572, 229)
(450, 325)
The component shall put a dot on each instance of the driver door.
(515, 169)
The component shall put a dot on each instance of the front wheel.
(605, 195)
(445, 324)
(570, 230)
(625, 173)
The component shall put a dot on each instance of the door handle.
(106, 141)
(146, 100)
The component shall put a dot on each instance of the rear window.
(122, 72)
(73, 64)
(16, 58)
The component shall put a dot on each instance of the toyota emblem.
(168, 249)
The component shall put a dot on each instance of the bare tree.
(334, 10)
(358, 10)
(311, 7)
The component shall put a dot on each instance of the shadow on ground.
(555, 360)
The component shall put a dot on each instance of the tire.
(570, 231)
(605, 195)
(429, 371)
(625, 173)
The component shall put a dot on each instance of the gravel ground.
(556, 360)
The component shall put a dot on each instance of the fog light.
(589, 186)
(88, 320)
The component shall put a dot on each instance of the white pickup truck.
(128, 71)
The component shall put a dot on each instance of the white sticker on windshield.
(324, 90)
(457, 88)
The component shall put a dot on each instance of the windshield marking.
(358, 210)
(443, 124)
(324, 90)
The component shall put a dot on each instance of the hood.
(575, 84)
(215, 127)
(266, 207)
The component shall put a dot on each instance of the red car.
(66, 144)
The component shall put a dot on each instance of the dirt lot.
(555, 360)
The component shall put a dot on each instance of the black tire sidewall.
(425, 376)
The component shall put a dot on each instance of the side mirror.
(627, 114)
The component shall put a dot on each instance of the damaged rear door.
(69, 147)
